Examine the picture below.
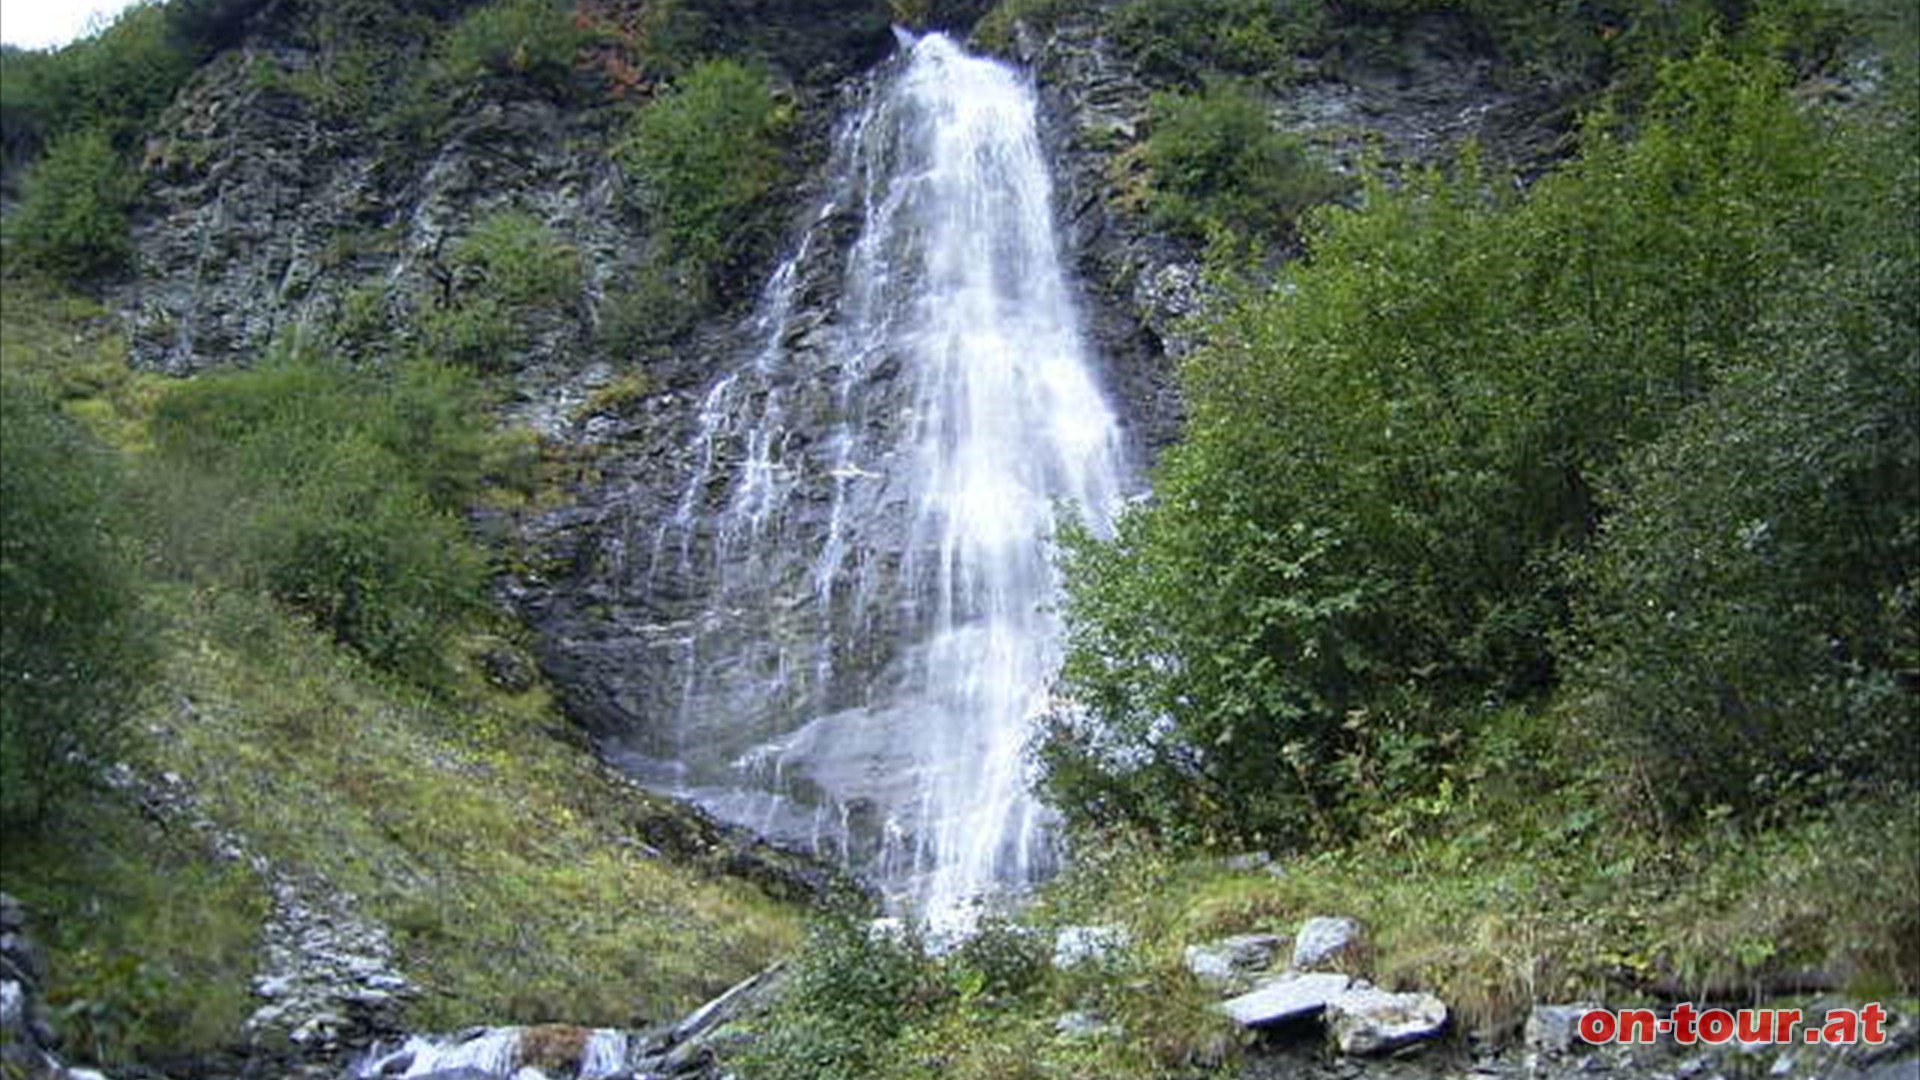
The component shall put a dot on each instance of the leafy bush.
(152, 940)
(660, 305)
(1218, 165)
(710, 157)
(519, 260)
(346, 495)
(116, 81)
(852, 992)
(72, 649)
(1752, 621)
(994, 31)
(1182, 41)
(534, 41)
(72, 222)
(506, 271)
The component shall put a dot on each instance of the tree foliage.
(502, 276)
(343, 493)
(1749, 636)
(710, 158)
(1399, 459)
(72, 646)
(72, 221)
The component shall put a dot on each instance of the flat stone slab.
(1289, 997)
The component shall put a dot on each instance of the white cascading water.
(875, 698)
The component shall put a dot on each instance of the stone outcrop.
(1089, 946)
(1231, 962)
(1372, 1021)
(1285, 998)
(1330, 942)
(329, 979)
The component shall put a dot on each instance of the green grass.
(503, 856)
(73, 350)
(151, 940)
(1501, 897)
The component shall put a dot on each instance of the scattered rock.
(508, 668)
(1285, 998)
(1228, 964)
(329, 978)
(1075, 946)
(1080, 1024)
(1367, 1022)
(27, 1039)
(1555, 1029)
(1328, 943)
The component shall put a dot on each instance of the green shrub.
(710, 159)
(853, 991)
(519, 261)
(1217, 165)
(152, 941)
(73, 651)
(659, 306)
(1752, 616)
(508, 269)
(1393, 458)
(531, 41)
(116, 81)
(994, 31)
(1183, 41)
(72, 222)
(346, 495)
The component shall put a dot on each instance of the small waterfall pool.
(860, 556)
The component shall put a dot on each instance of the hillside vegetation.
(263, 580)
(1536, 577)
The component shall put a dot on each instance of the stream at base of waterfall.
(870, 629)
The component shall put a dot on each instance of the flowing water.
(867, 629)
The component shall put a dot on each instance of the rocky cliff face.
(265, 212)
(622, 594)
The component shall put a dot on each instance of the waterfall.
(858, 565)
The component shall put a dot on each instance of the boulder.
(1330, 943)
(1555, 1029)
(1080, 1024)
(1285, 998)
(1079, 946)
(1371, 1021)
(1229, 963)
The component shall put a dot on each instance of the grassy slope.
(1491, 906)
(502, 854)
